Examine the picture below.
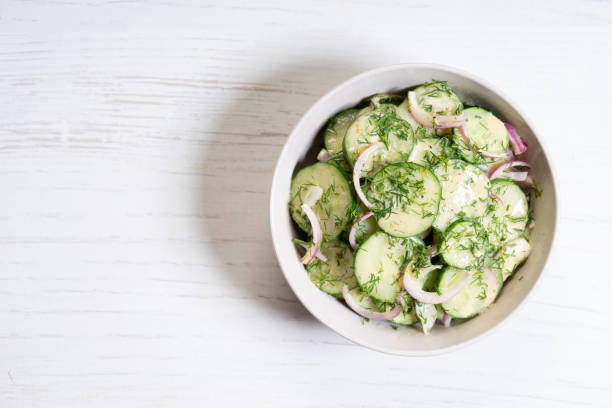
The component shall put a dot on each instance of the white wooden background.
(137, 142)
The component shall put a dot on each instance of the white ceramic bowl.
(300, 150)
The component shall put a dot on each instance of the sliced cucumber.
(336, 129)
(428, 151)
(379, 263)
(362, 111)
(405, 198)
(408, 315)
(511, 255)
(385, 99)
(485, 133)
(332, 208)
(464, 244)
(379, 125)
(480, 292)
(465, 192)
(440, 311)
(438, 99)
(339, 160)
(506, 219)
(337, 271)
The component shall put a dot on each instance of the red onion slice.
(494, 155)
(312, 252)
(352, 239)
(320, 255)
(428, 120)
(516, 175)
(420, 114)
(518, 145)
(317, 235)
(503, 169)
(368, 314)
(324, 155)
(413, 287)
(446, 320)
(401, 300)
(484, 167)
(308, 246)
(361, 160)
(497, 198)
(527, 184)
(449, 122)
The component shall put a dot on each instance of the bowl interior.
(299, 150)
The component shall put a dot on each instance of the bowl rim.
(543, 144)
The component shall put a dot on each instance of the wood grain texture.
(137, 143)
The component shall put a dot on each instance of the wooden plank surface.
(137, 143)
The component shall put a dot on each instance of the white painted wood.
(137, 142)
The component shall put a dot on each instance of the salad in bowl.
(418, 208)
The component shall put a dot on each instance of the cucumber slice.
(511, 255)
(405, 198)
(379, 125)
(438, 99)
(385, 99)
(408, 315)
(361, 112)
(508, 219)
(428, 151)
(333, 208)
(440, 311)
(331, 276)
(485, 132)
(336, 129)
(465, 192)
(464, 244)
(339, 160)
(379, 263)
(477, 295)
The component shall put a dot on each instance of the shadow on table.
(241, 234)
